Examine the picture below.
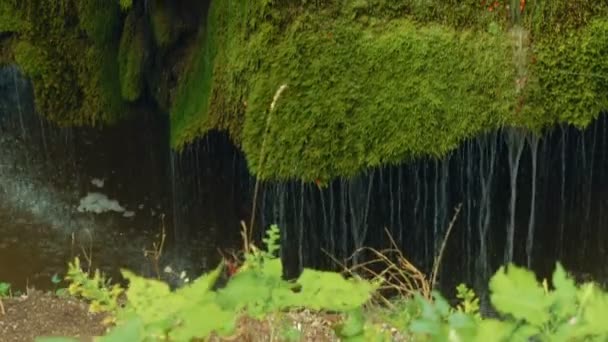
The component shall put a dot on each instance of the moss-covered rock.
(131, 58)
(164, 25)
(69, 50)
(9, 20)
(373, 82)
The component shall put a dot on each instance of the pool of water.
(46, 172)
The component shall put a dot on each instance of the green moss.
(570, 77)
(191, 106)
(9, 20)
(126, 5)
(163, 23)
(75, 76)
(376, 82)
(361, 97)
(99, 19)
(131, 58)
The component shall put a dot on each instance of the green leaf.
(4, 289)
(198, 321)
(202, 286)
(494, 330)
(353, 326)
(331, 291)
(516, 292)
(129, 331)
(153, 302)
(245, 290)
(55, 339)
(565, 295)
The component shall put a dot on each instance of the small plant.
(469, 303)
(60, 292)
(156, 252)
(257, 290)
(5, 289)
(95, 288)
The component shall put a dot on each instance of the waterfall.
(515, 144)
(533, 143)
(487, 157)
(562, 212)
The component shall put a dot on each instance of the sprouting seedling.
(5, 289)
(55, 279)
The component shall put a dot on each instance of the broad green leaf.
(153, 302)
(198, 321)
(493, 330)
(353, 326)
(272, 270)
(132, 330)
(331, 291)
(245, 290)
(564, 296)
(515, 291)
(595, 314)
(202, 286)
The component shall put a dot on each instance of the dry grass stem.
(156, 252)
(276, 97)
(437, 262)
(393, 270)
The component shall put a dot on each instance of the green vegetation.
(131, 58)
(370, 82)
(527, 309)
(5, 289)
(95, 287)
(380, 82)
(163, 23)
(69, 51)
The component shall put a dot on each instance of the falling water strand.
(424, 215)
(43, 136)
(443, 203)
(343, 211)
(469, 196)
(533, 143)
(332, 218)
(354, 222)
(562, 212)
(175, 203)
(581, 174)
(515, 144)
(601, 238)
(326, 225)
(590, 178)
(401, 228)
(391, 200)
(487, 158)
(18, 98)
(301, 231)
(436, 209)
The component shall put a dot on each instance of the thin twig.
(2, 308)
(443, 244)
(397, 274)
(262, 160)
(156, 252)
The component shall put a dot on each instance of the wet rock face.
(16, 96)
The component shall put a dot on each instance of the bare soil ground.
(43, 314)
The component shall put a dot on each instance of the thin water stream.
(527, 199)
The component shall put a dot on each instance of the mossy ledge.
(370, 82)
(379, 82)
